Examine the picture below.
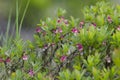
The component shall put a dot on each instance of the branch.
(57, 69)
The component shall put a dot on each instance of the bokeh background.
(40, 9)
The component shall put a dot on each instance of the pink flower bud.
(38, 29)
(118, 28)
(94, 24)
(109, 19)
(75, 30)
(45, 46)
(59, 30)
(55, 31)
(80, 47)
(66, 21)
(63, 58)
(58, 21)
(8, 60)
(25, 57)
(81, 24)
(62, 18)
(31, 73)
(53, 44)
(61, 37)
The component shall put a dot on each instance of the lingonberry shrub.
(68, 49)
(81, 45)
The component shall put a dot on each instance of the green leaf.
(61, 12)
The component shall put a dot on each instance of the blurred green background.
(40, 9)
